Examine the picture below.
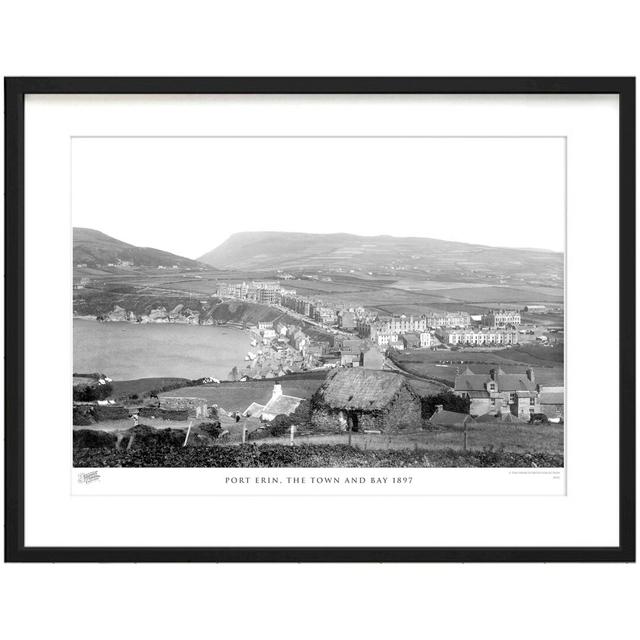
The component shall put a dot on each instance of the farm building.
(502, 418)
(278, 405)
(552, 402)
(442, 418)
(195, 406)
(363, 399)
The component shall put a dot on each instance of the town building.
(300, 340)
(384, 331)
(449, 320)
(326, 315)
(426, 340)
(498, 392)
(477, 337)
(363, 399)
(349, 359)
(372, 358)
(502, 318)
(346, 320)
(410, 340)
(349, 344)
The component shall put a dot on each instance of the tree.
(234, 374)
(91, 392)
(449, 401)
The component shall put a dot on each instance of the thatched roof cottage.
(361, 399)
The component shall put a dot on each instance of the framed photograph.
(320, 319)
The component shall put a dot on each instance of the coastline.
(125, 351)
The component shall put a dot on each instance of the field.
(514, 438)
(143, 386)
(548, 362)
(237, 396)
(406, 291)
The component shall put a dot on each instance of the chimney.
(277, 390)
(439, 408)
(531, 375)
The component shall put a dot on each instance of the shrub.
(300, 417)
(449, 401)
(111, 412)
(212, 429)
(146, 436)
(93, 439)
(91, 392)
(278, 429)
(83, 416)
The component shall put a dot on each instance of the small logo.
(88, 477)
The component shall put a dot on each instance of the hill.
(382, 255)
(96, 249)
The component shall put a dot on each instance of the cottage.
(498, 392)
(361, 399)
(278, 405)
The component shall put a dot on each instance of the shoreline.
(98, 353)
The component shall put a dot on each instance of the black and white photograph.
(319, 301)
(383, 316)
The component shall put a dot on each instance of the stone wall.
(196, 407)
(404, 413)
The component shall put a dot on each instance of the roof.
(551, 397)
(450, 418)
(507, 418)
(281, 405)
(504, 381)
(363, 389)
(253, 410)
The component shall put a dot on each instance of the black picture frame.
(15, 91)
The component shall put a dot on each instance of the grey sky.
(187, 195)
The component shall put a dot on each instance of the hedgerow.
(306, 455)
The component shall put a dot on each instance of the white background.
(586, 516)
(331, 38)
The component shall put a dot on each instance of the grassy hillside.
(94, 248)
(237, 396)
(386, 255)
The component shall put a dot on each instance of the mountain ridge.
(268, 250)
